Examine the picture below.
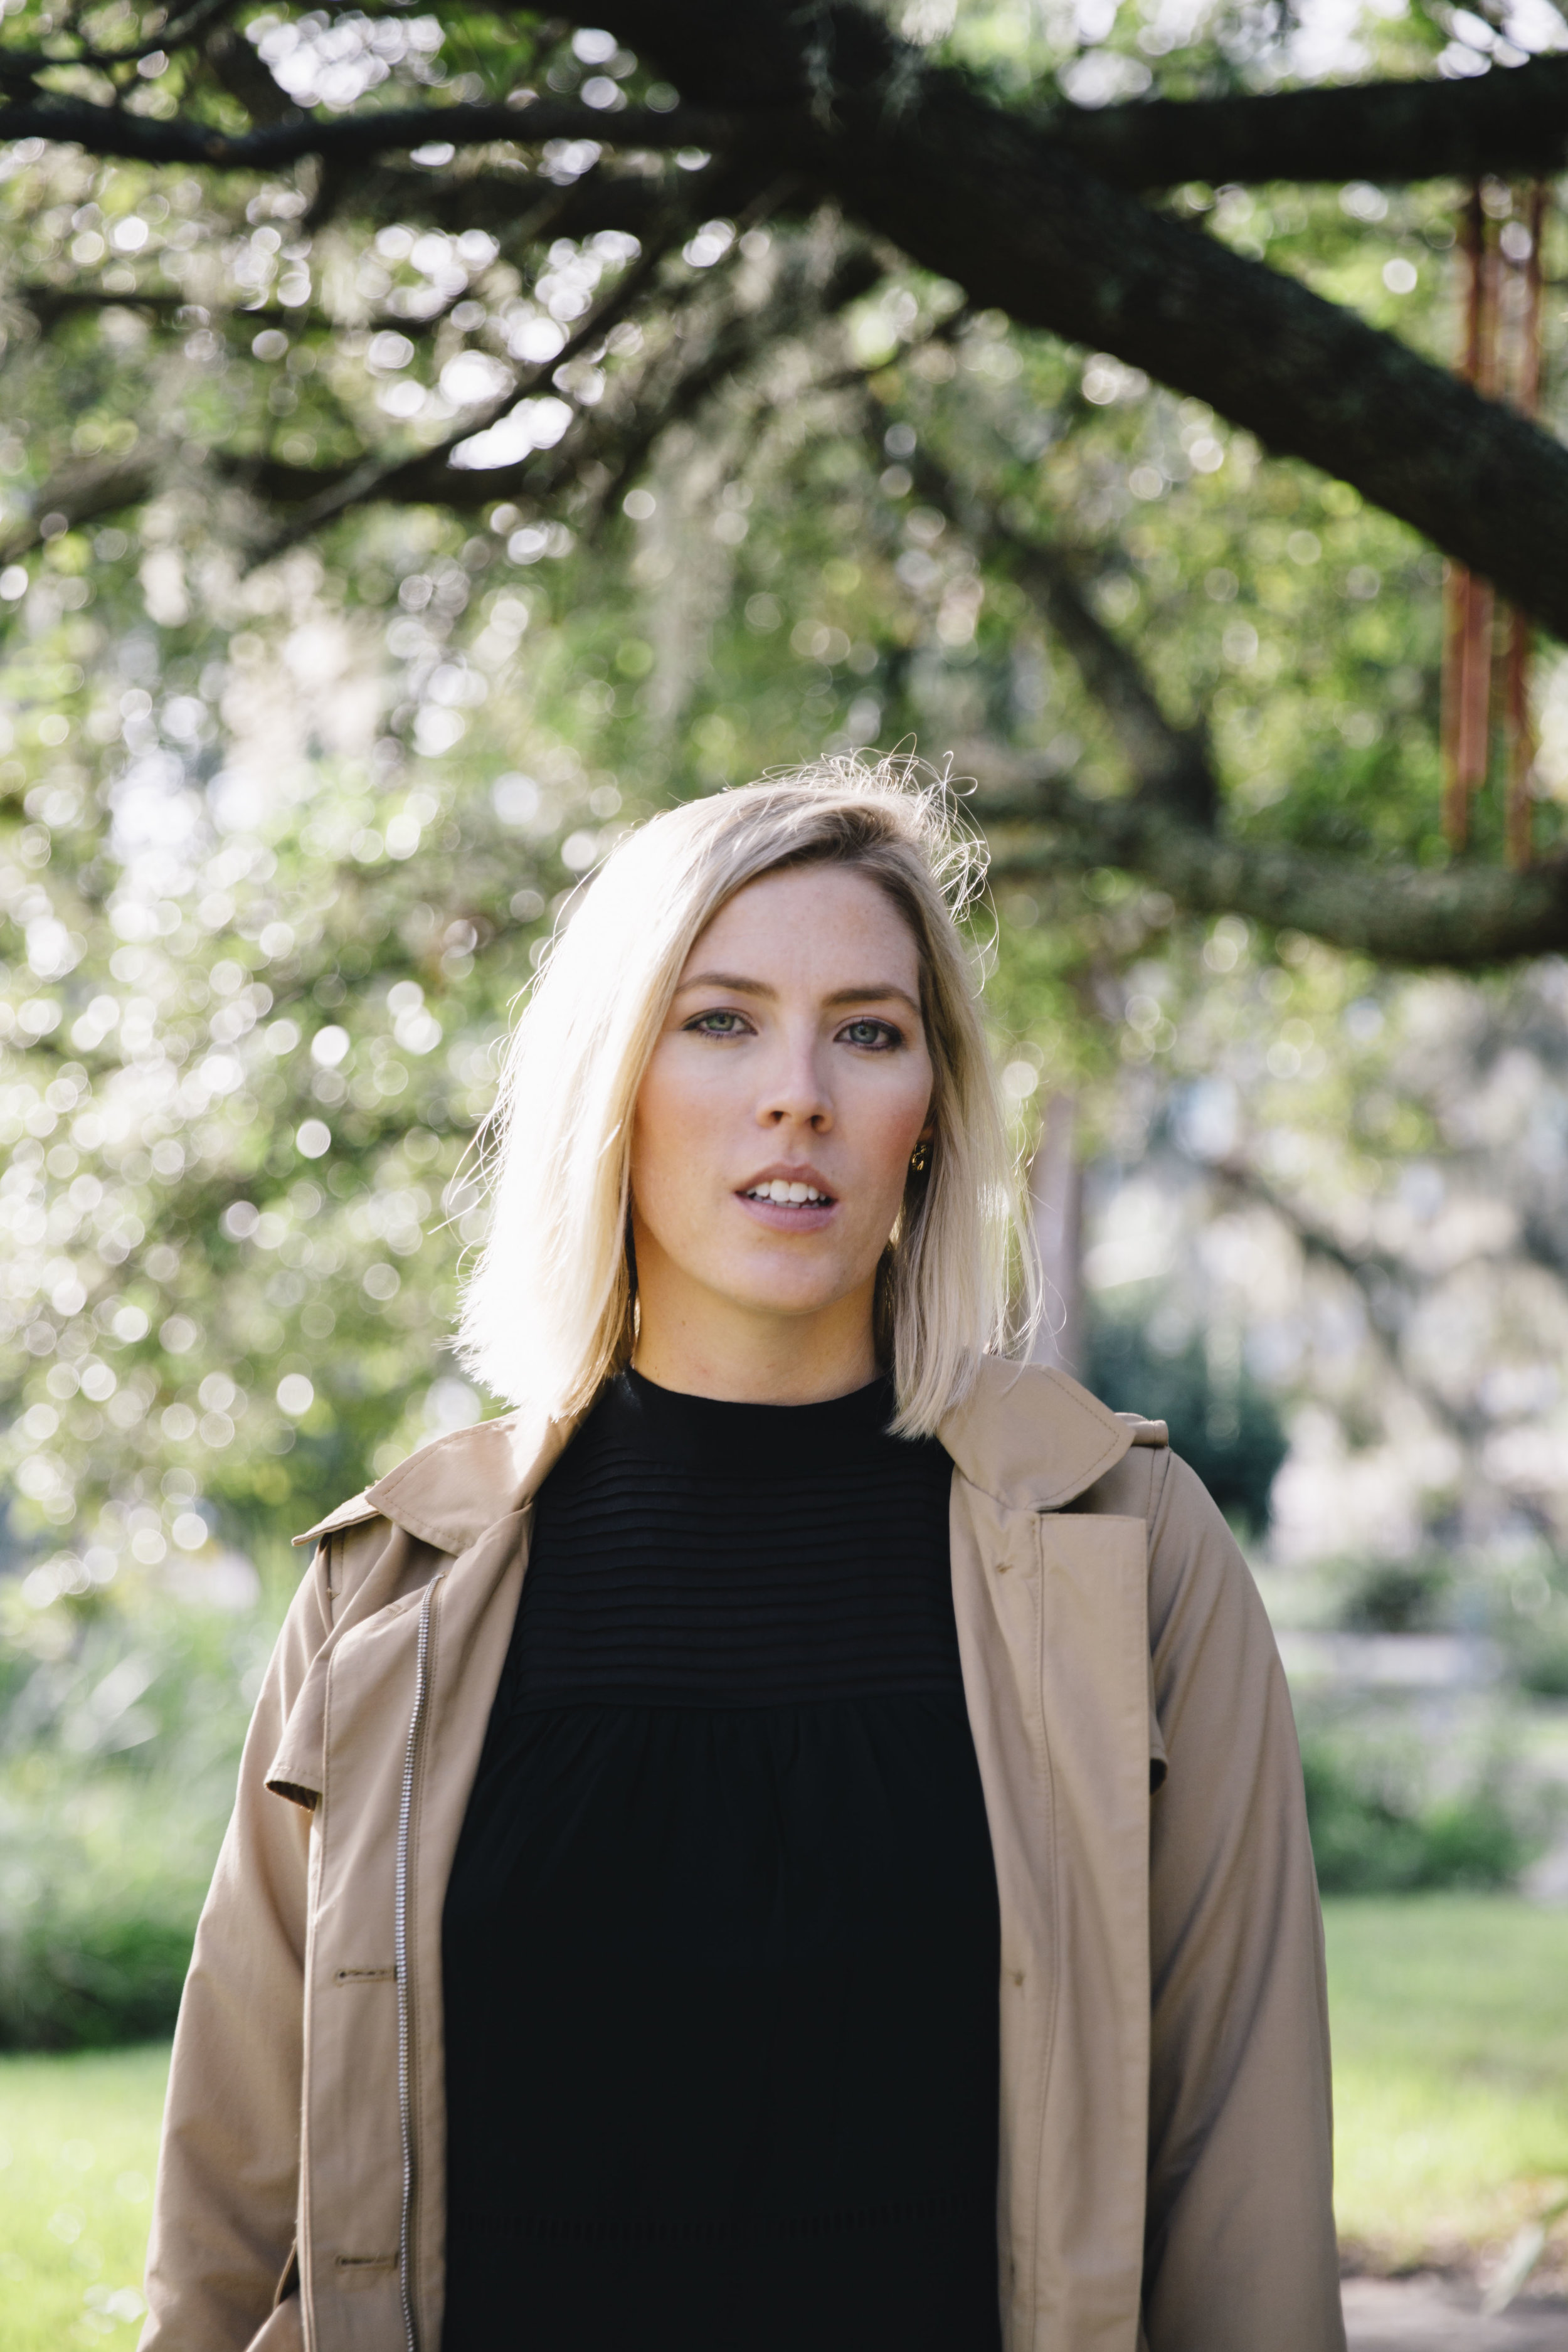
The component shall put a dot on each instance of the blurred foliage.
(1383, 1822)
(279, 840)
(119, 1735)
(283, 834)
(1398, 1596)
(1515, 1600)
(1221, 1419)
(1350, 1184)
(1544, 1662)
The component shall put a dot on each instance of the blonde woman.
(792, 1838)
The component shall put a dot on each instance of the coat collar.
(1031, 1438)
(1027, 1435)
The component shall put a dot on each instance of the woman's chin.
(788, 1291)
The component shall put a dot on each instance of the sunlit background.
(285, 829)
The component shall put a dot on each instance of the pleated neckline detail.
(691, 1551)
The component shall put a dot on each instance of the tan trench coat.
(1164, 2174)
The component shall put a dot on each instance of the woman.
(855, 1892)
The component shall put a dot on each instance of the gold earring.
(919, 1157)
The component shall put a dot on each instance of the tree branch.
(979, 196)
(348, 138)
(801, 297)
(522, 206)
(244, 74)
(1385, 131)
(1462, 916)
(607, 444)
(176, 31)
(522, 209)
(1168, 763)
(1465, 917)
(376, 479)
(97, 486)
(1387, 1286)
(49, 304)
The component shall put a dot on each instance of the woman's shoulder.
(1032, 1438)
(449, 1492)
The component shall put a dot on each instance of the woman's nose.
(796, 1092)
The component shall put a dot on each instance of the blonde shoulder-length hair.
(549, 1312)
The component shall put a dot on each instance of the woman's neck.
(712, 1350)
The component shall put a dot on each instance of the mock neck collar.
(671, 1425)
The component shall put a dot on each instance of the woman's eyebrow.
(733, 982)
(874, 992)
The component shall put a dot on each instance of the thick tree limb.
(980, 195)
(1463, 916)
(348, 138)
(1387, 131)
(969, 191)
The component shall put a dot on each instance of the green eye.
(717, 1024)
(878, 1034)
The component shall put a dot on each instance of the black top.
(721, 1942)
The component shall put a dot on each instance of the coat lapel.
(1053, 1635)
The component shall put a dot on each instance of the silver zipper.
(400, 1947)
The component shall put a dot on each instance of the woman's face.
(795, 1057)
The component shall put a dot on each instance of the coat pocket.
(289, 2280)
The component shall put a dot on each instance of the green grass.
(1450, 2024)
(78, 2137)
(1450, 2017)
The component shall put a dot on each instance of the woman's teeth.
(793, 1194)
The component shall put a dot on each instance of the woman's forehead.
(805, 920)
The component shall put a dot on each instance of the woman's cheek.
(677, 1144)
(895, 1130)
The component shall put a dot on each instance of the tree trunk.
(1056, 1216)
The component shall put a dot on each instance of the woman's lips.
(789, 1216)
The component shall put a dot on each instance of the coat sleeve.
(223, 2207)
(1240, 2248)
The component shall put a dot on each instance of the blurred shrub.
(1543, 1667)
(121, 1726)
(1517, 1599)
(102, 1886)
(1398, 1596)
(1385, 1821)
(1229, 1430)
(1528, 1619)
